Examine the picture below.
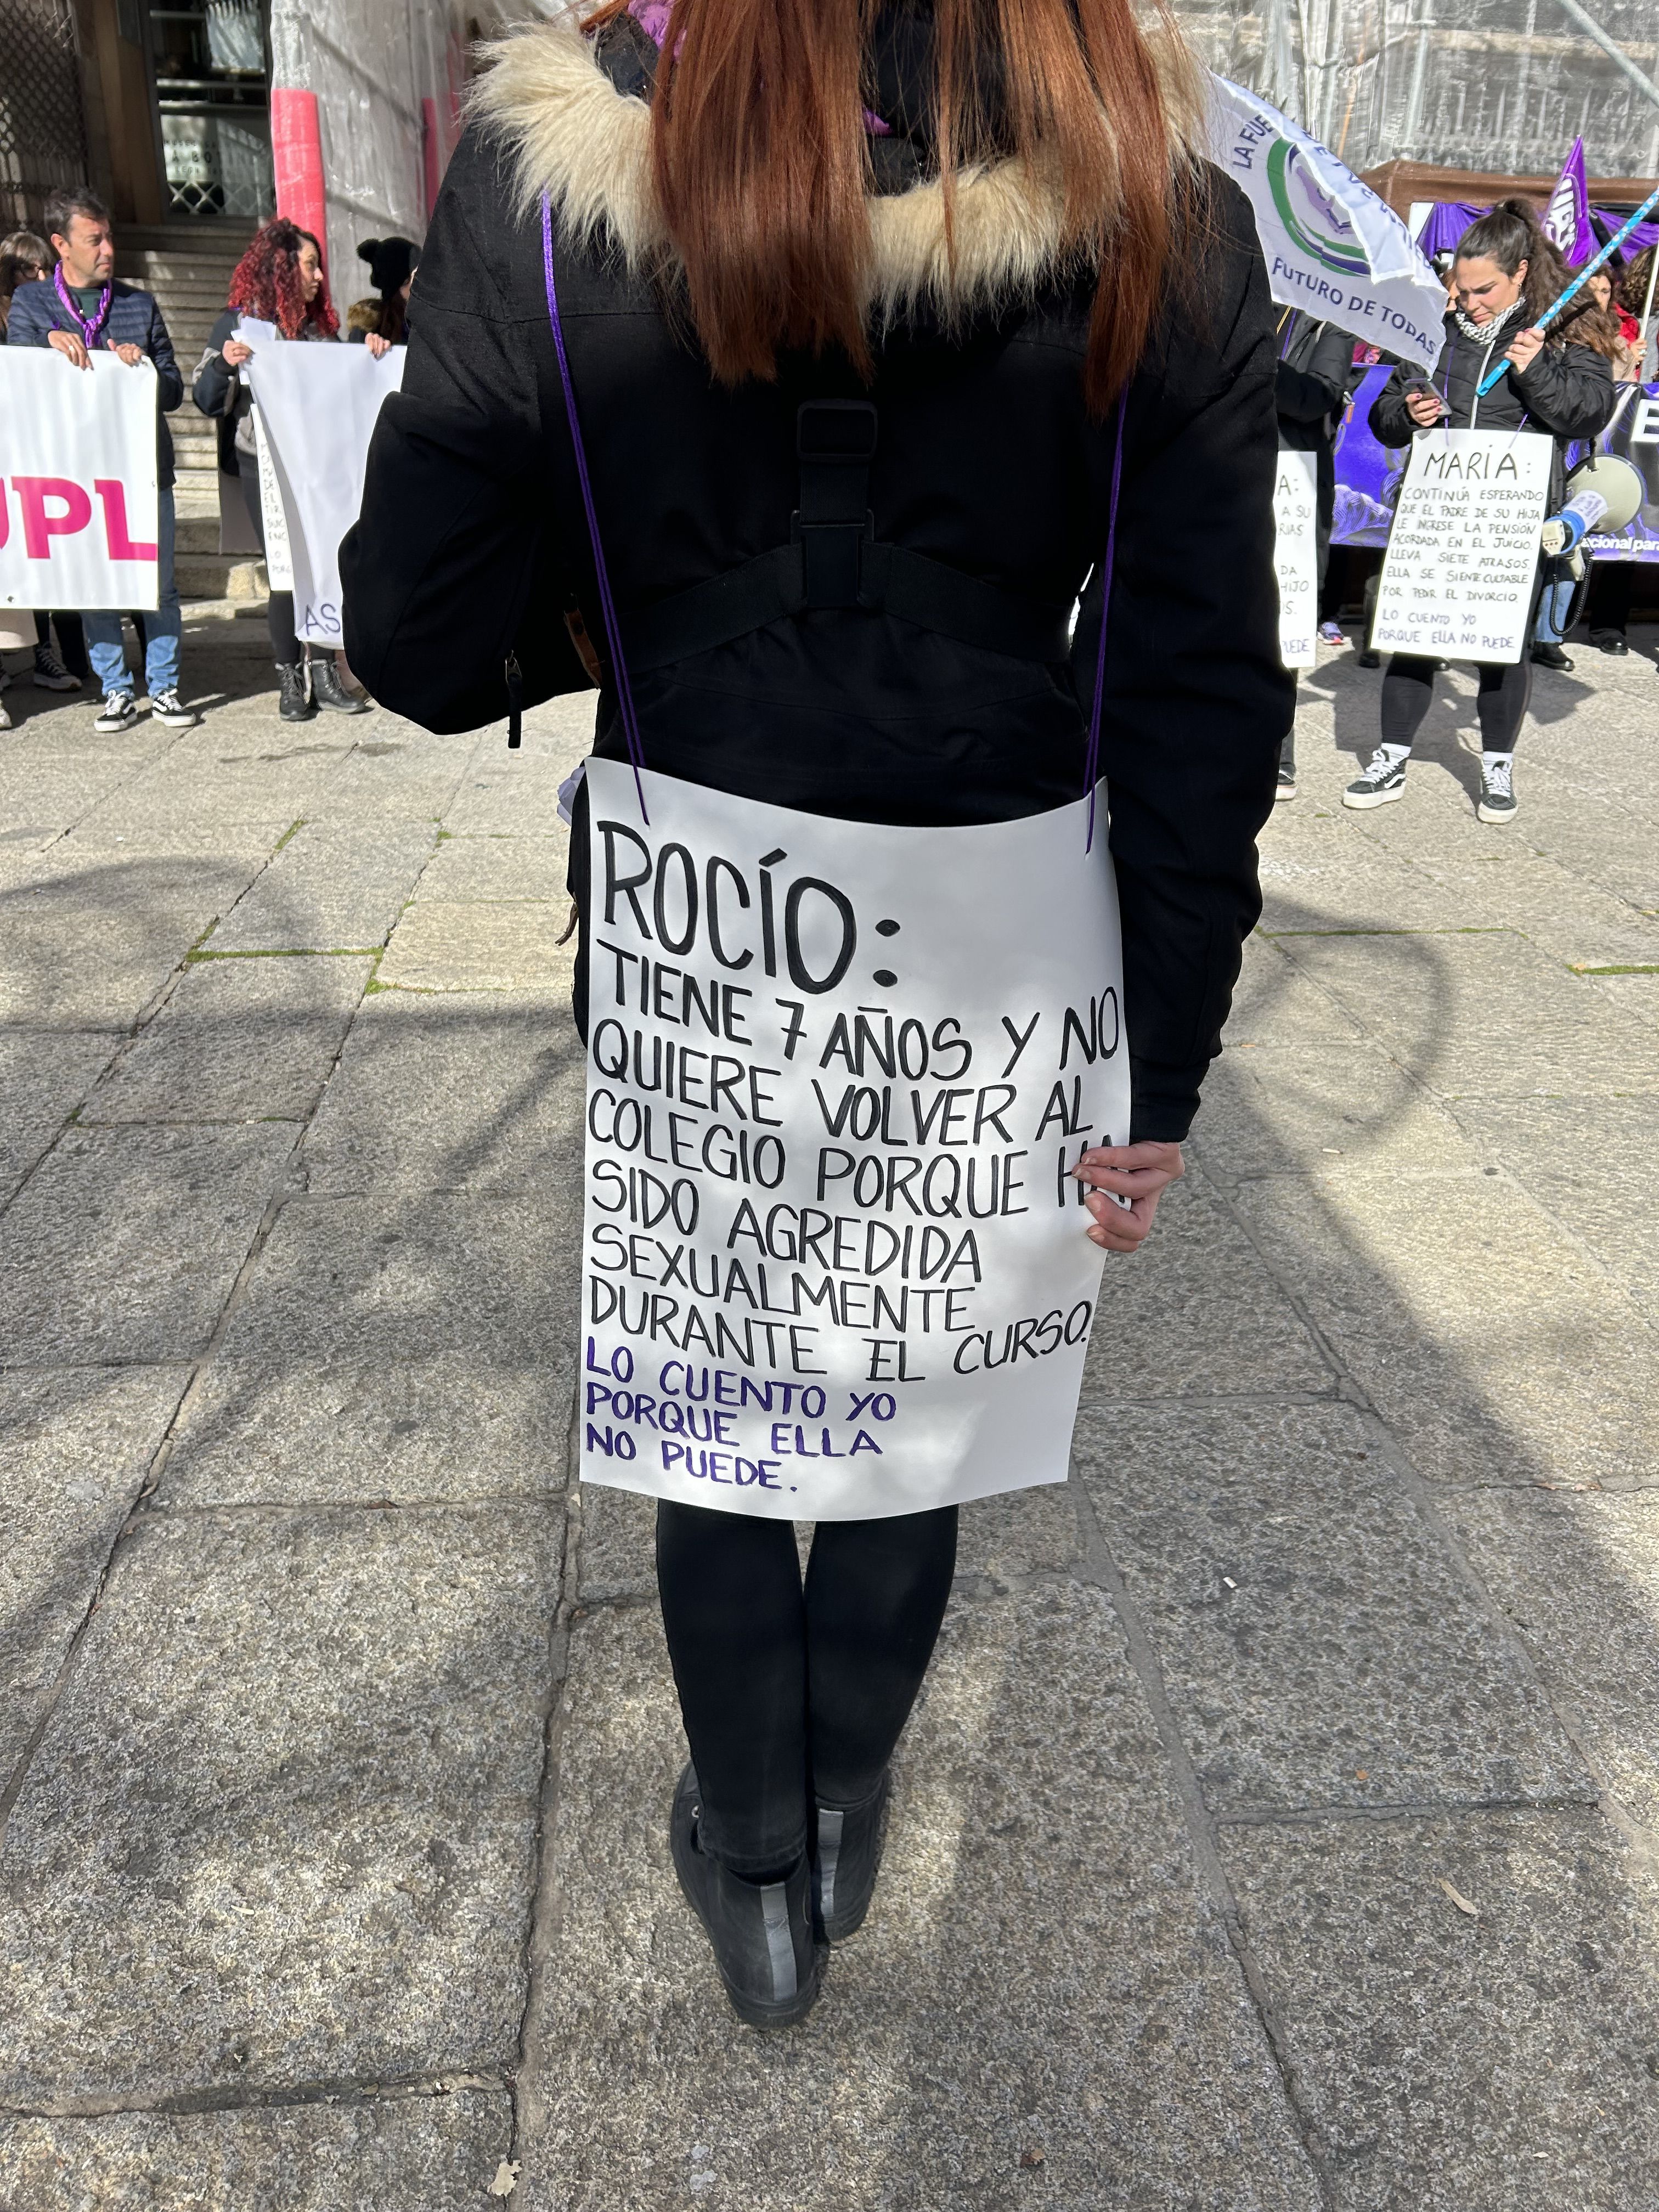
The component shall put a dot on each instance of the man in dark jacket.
(1311, 390)
(85, 308)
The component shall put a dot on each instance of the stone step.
(215, 576)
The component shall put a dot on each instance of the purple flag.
(1566, 219)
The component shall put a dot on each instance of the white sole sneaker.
(1486, 811)
(1359, 801)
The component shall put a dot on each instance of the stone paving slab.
(461, 1091)
(1481, 1014)
(1494, 1347)
(239, 1040)
(454, 1425)
(1503, 2063)
(89, 944)
(75, 1447)
(281, 1826)
(476, 945)
(393, 774)
(498, 867)
(1275, 1003)
(1039, 1979)
(1635, 995)
(1320, 1648)
(1593, 1164)
(330, 889)
(1320, 872)
(43, 1075)
(1578, 1575)
(1196, 1312)
(124, 1243)
(1278, 1110)
(428, 2153)
(400, 1276)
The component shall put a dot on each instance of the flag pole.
(1577, 284)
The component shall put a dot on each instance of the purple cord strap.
(1091, 763)
(612, 626)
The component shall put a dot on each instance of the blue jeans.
(105, 648)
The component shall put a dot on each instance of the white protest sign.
(1296, 556)
(79, 519)
(318, 405)
(279, 558)
(1462, 558)
(835, 1266)
(1331, 245)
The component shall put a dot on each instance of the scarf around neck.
(1483, 333)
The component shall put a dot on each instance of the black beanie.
(391, 261)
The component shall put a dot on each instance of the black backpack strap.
(834, 560)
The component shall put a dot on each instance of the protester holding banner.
(762, 315)
(84, 309)
(1506, 274)
(279, 281)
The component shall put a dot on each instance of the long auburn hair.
(760, 163)
(1513, 232)
(266, 282)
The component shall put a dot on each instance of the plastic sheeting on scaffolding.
(1501, 86)
(366, 111)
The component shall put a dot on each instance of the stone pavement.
(1276, 1830)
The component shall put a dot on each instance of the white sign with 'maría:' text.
(78, 506)
(1296, 556)
(834, 1264)
(1458, 575)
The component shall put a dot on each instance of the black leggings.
(1408, 686)
(789, 1694)
(284, 644)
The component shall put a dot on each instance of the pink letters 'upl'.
(113, 493)
(39, 527)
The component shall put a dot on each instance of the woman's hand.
(376, 344)
(1525, 347)
(1425, 408)
(1141, 1173)
(233, 353)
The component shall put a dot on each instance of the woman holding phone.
(1505, 272)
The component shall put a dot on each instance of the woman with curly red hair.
(280, 281)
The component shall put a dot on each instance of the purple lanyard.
(89, 331)
(608, 605)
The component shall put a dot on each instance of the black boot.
(847, 1860)
(327, 689)
(1551, 656)
(761, 1932)
(294, 706)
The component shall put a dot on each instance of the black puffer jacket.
(472, 544)
(1567, 392)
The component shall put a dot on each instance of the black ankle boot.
(845, 1860)
(761, 1932)
(295, 705)
(327, 689)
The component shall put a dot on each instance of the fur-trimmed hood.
(570, 132)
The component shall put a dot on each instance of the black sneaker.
(1383, 780)
(1368, 658)
(1497, 802)
(50, 673)
(846, 1861)
(296, 704)
(167, 707)
(761, 1932)
(1286, 786)
(119, 712)
(327, 689)
(1551, 656)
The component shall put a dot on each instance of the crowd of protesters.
(61, 291)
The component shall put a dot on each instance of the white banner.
(1296, 556)
(317, 405)
(1331, 247)
(835, 1265)
(1458, 575)
(279, 560)
(78, 514)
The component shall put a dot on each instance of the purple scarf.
(89, 331)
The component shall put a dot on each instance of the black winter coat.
(1568, 391)
(1311, 390)
(471, 543)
